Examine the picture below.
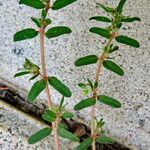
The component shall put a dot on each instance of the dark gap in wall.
(11, 97)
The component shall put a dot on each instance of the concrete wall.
(131, 123)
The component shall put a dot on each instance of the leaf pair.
(91, 59)
(41, 134)
(38, 4)
(121, 39)
(39, 86)
(102, 98)
(30, 33)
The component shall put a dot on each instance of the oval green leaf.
(128, 41)
(25, 34)
(59, 86)
(66, 115)
(105, 140)
(131, 19)
(33, 3)
(39, 135)
(21, 73)
(58, 4)
(85, 103)
(87, 60)
(109, 101)
(67, 135)
(36, 21)
(57, 31)
(120, 6)
(101, 18)
(49, 115)
(85, 144)
(113, 67)
(36, 89)
(100, 31)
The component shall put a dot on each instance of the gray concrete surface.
(130, 124)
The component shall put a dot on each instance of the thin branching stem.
(102, 57)
(44, 76)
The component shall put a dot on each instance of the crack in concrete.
(8, 95)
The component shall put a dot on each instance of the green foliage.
(87, 60)
(85, 103)
(25, 34)
(106, 8)
(85, 88)
(105, 140)
(28, 65)
(57, 31)
(113, 67)
(101, 18)
(85, 144)
(39, 135)
(120, 6)
(128, 19)
(21, 73)
(128, 41)
(100, 31)
(68, 135)
(66, 115)
(49, 115)
(28, 68)
(58, 4)
(36, 21)
(109, 101)
(59, 86)
(33, 3)
(36, 89)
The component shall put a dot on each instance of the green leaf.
(103, 32)
(33, 77)
(36, 21)
(28, 65)
(39, 135)
(106, 8)
(66, 115)
(44, 14)
(109, 101)
(49, 115)
(85, 103)
(33, 3)
(58, 4)
(57, 31)
(128, 41)
(61, 103)
(68, 135)
(131, 19)
(120, 6)
(59, 86)
(87, 60)
(48, 21)
(113, 67)
(85, 144)
(36, 89)
(21, 73)
(101, 18)
(25, 34)
(105, 140)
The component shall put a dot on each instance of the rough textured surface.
(131, 123)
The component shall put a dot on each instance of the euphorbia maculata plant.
(53, 115)
(111, 33)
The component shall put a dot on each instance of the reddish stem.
(102, 57)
